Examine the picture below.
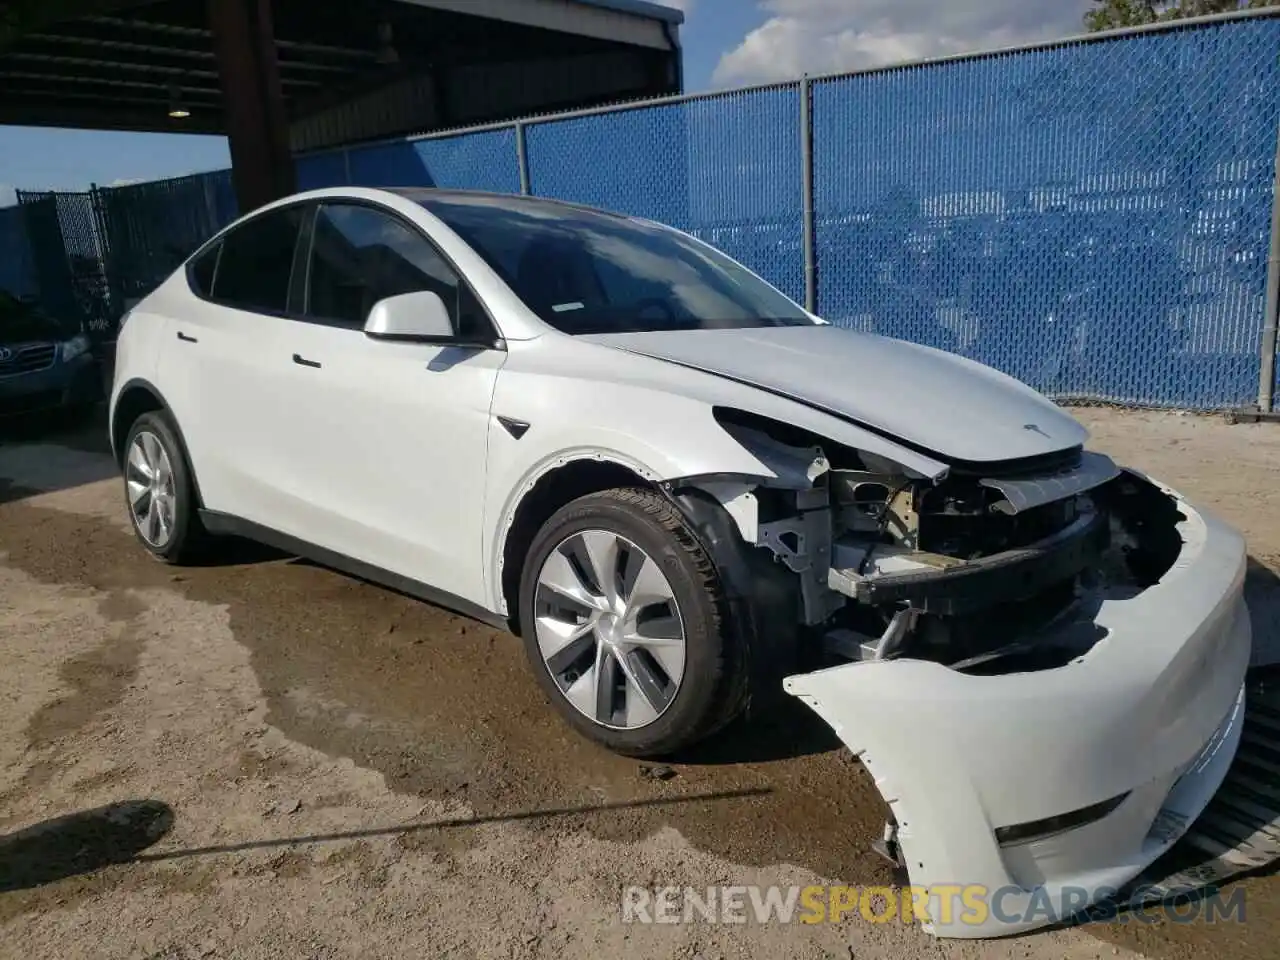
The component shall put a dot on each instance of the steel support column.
(256, 122)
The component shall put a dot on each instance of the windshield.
(583, 271)
(21, 320)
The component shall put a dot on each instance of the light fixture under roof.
(176, 110)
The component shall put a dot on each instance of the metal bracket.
(887, 845)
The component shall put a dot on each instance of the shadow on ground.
(55, 451)
(1262, 594)
(786, 730)
(80, 843)
(457, 823)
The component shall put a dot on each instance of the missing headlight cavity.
(985, 568)
(1144, 531)
(992, 590)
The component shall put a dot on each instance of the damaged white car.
(673, 483)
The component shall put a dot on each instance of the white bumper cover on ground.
(1152, 712)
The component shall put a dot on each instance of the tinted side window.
(360, 255)
(202, 270)
(257, 262)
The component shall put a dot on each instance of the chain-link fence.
(152, 227)
(67, 245)
(1092, 216)
(17, 262)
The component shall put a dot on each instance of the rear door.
(224, 362)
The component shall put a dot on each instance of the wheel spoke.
(153, 521)
(655, 632)
(555, 635)
(138, 460)
(137, 491)
(559, 576)
(582, 693)
(164, 512)
(151, 450)
(606, 673)
(602, 552)
(646, 696)
(164, 472)
(643, 584)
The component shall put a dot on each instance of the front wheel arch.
(554, 489)
(136, 398)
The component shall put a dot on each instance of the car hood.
(941, 403)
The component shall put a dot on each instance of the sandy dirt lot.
(329, 770)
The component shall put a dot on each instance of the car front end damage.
(1040, 662)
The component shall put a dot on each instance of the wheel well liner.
(762, 595)
(553, 490)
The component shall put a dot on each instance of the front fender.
(516, 465)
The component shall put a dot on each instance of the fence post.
(1267, 371)
(522, 158)
(101, 226)
(806, 176)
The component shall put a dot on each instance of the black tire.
(188, 540)
(712, 691)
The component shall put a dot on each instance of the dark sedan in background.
(47, 364)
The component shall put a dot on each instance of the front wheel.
(626, 627)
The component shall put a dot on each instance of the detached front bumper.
(1022, 798)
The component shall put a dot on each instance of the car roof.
(430, 196)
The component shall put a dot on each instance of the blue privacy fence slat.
(1091, 218)
(724, 168)
(322, 170)
(388, 165)
(476, 161)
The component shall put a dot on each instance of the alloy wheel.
(150, 483)
(609, 629)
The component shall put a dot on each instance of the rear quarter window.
(256, 261)
(201, 271)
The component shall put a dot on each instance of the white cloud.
(828, 36)
(123, 182)
(8, 195)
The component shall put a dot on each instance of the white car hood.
(927, 398)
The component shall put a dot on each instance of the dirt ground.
(314, 767)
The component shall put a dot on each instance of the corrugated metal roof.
(641, 8)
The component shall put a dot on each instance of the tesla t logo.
(1034, 428)
(5, 354)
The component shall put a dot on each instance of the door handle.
(304, 362)
(185, 339)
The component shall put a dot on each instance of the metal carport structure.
(282, 76)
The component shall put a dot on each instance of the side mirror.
(420, 316)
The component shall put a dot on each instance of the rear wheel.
(625, 624)
(160, 492)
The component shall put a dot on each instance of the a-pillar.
(256, 122)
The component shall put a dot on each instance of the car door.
(223, 361)
(392, 436)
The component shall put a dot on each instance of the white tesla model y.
(670, 480)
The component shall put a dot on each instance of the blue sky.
(727, 43)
